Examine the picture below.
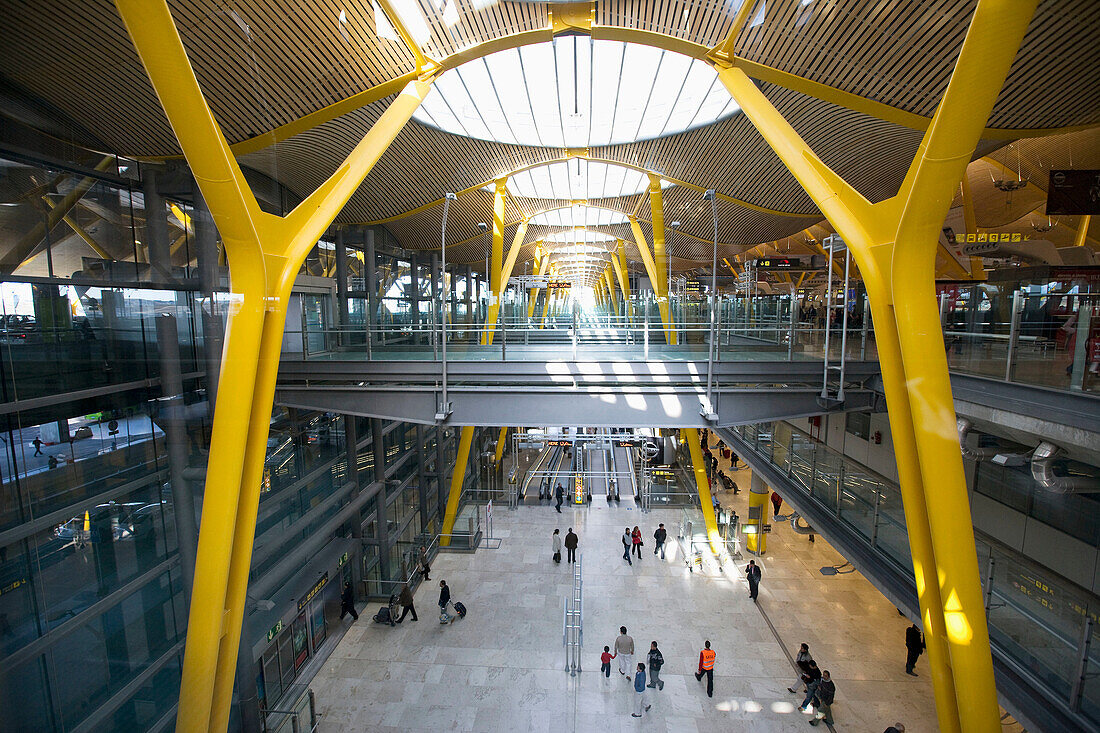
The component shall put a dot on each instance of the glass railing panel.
(858, 500)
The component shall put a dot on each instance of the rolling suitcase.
(460, 609)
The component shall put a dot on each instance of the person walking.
(627, 544)
(422, 560)
(347, 603)
(802, 661)
(37, 446)
(914, 646)
(706, 667)
(559, 494)
(641, 703)
(444, 599)
(659, 538)
(656, 661)
(571, 545)
(636, 542)
(777, 502)
(556, 545)
(406, 600)
(605, 661)
(824, 696)
(811, 677)
(624, 650)
(752, 572)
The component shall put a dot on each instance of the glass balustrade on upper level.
(1045, 340)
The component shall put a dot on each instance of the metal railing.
(572, 624)
(1039, 623)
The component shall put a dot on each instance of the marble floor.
(501, 668)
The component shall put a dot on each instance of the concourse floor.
(501, 668)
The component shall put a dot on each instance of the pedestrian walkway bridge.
(559, 377)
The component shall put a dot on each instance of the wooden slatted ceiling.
(77, 56)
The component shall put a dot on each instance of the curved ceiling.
(857, 80)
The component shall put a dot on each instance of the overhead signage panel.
(1073, 193)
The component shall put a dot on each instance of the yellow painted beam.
(725, 49)
(496, 263)
(323, 115)
(19, 252)
(501, 443)
(660, 256)
(544, 265)
(1082, 231)
(702, 485)
(513, 254)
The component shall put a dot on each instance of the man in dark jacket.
(406, 599)
(571, 546)
(559, 494)
(914, 645)
(752, 572)
(824, 695)
(444, 599)
(627, 544)
(656, 661)
(659, 538)
(347, 603)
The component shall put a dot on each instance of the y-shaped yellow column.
(265, 253)
(894, 243)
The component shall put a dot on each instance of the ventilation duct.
(978, 454)
(1042, 470)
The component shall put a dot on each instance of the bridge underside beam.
(593, 407)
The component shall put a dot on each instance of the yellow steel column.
(513, 254)
(702, 484)
(660, 257)
(496, 262)
(1082, 231)
(265, 253)
(458, 473)
(970, 220)
(546, 307)
(501, 443)
(498, 278)
(658, 280)
(612, 295)
(994, 36)
(837, 201)
(544, 265)
(618, 262)
(894, 243)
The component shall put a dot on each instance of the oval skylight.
(579, 216)
(579, 179)
(578, 235)
(576, 92)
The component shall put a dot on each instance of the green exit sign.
(343, 560)
(274, 631)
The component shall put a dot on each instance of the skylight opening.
(576, 92)
(572, 236)
(579, 216)
(578, 179)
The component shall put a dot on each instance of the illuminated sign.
(343, 560)
(313, 591)
(560, 443)
(558, 285)
(578, 489)
(778, 263)
(693, 286)
(274, 631)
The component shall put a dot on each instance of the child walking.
(605, 661)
